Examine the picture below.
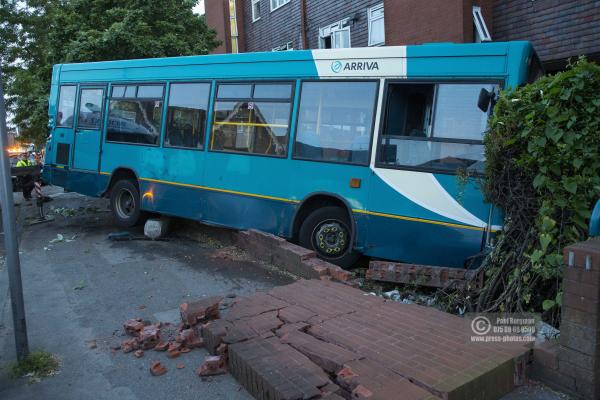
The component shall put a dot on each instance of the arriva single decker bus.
(374, 151)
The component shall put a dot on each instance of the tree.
(66, 31)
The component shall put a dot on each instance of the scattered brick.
(212, 365)
(186, 336)
(130, 345)
(221, 350)
(157, 369)
(161, 346)
(139, 353)
(174, 346)
(203, 309)
(185, 350)
(133, 327)
(173, 353)
(180, 366)
(149, 337)
(115, 347)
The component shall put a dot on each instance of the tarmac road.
(84, 290)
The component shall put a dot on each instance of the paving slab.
(301, 340)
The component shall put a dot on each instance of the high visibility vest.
(23, 163)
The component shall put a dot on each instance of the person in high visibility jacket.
(27, 182)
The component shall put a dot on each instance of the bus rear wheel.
(327, 231)
(125, 203)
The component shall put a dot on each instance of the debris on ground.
(157, 369)
(171, 339)
(72, 212)
(212, 365)
(231, 253)
(80, 286)
(195, 311)
(61, 238)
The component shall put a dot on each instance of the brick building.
(559, 29)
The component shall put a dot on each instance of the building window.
(376, 25)
(434, 127)
(186, 115)
(66, 106)
(252, 118)
(335, 36)
(275, 4)
(135, 114)
(255, 10)
(284, 47)
(482, 34)
(90, 108)
(335, 121)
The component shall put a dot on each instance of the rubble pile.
(175, 341)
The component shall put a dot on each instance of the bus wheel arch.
(119, 174)
(125, 201)
(326, 213)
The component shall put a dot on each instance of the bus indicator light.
(354, 183)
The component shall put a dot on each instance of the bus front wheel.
(125, 203)
(327, 231)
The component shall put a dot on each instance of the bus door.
(88, 130)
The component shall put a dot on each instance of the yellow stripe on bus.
(427, 221)
(251, 124)
(221, 190)
(260, 196)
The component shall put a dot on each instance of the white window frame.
(278, 4)
(284, 47)
(370, 12)
(481, 30)
(328, 31)
(254, 16)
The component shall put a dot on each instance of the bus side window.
(433, 127)
(186, 115)
(252, 118)
(135, 113)
(66, 106)
(335, 121)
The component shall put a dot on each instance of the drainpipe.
(303, 24)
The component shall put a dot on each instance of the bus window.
(90, 109)
(134, 114)
(434, 127)
(66, 106)
(251, 124)
(335, 121)
(186, 115)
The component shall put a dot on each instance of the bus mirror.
(485, 98)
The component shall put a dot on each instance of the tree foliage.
(543, 170)
(66, 31)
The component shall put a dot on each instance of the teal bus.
(372, 151)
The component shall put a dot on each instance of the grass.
(37, 364)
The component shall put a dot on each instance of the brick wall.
(321, 14)
(216, 17)
(273, 28)
(422, 21)
(558, 28)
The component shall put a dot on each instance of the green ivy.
(543, 171)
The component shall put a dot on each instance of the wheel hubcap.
(331, 238)
(125, 204)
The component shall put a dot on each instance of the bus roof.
(497, 60)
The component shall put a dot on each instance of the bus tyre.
(125, 203)
(327, 231)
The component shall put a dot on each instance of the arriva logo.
(336, 66)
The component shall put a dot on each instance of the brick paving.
(322, 339)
